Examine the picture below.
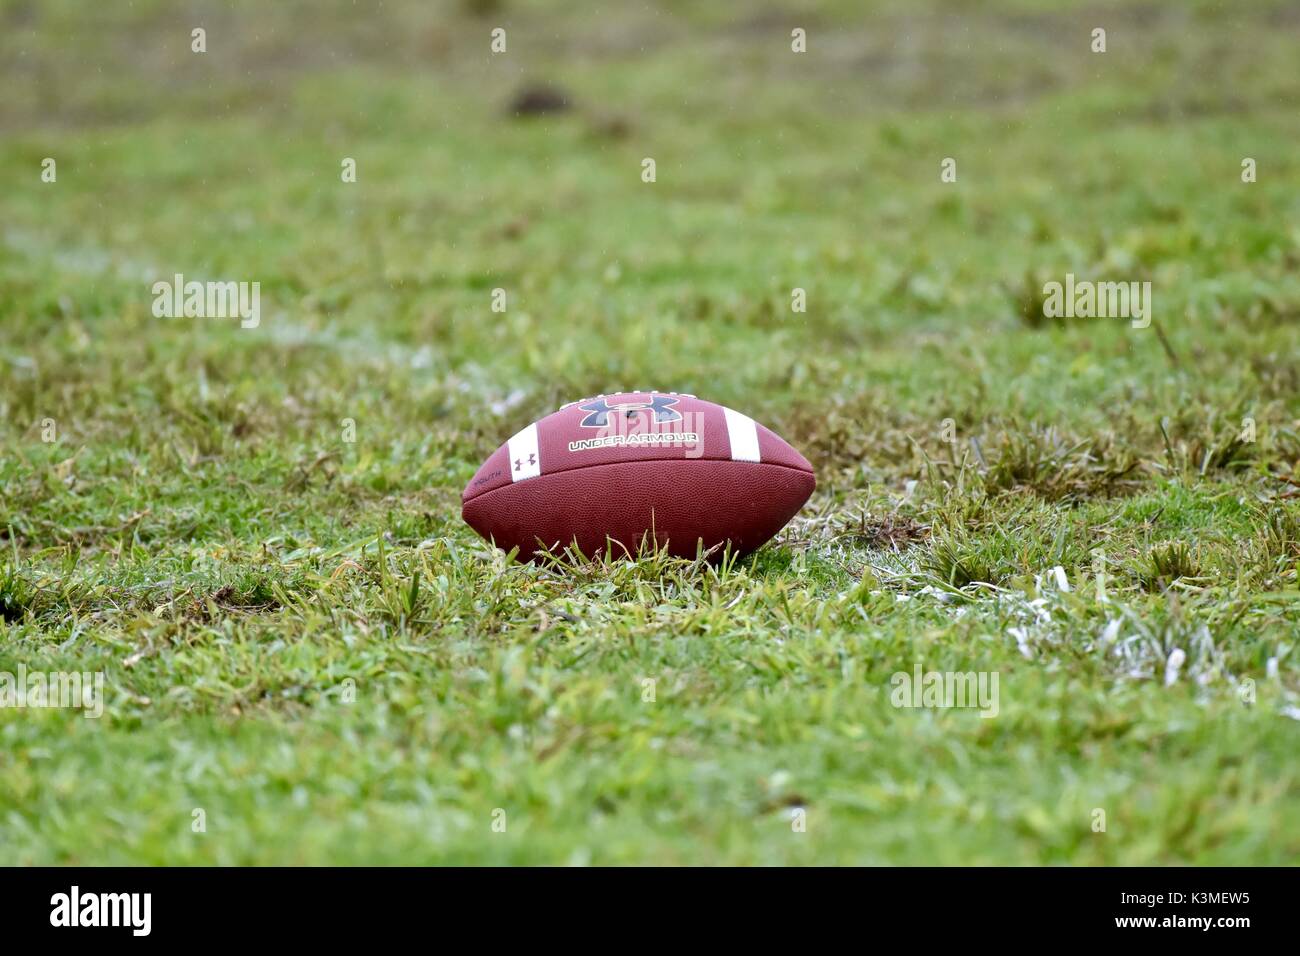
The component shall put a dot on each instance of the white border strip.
(525, 462)
(743, 435)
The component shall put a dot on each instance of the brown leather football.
(617, 472)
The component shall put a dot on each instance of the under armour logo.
(519, 462)
(600, 410)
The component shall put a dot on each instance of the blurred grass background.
(202, 534)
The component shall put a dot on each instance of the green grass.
(300, 637)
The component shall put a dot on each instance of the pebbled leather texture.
(557, 431)
(631, 468)
(678, 503)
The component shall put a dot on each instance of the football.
(618, 472)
